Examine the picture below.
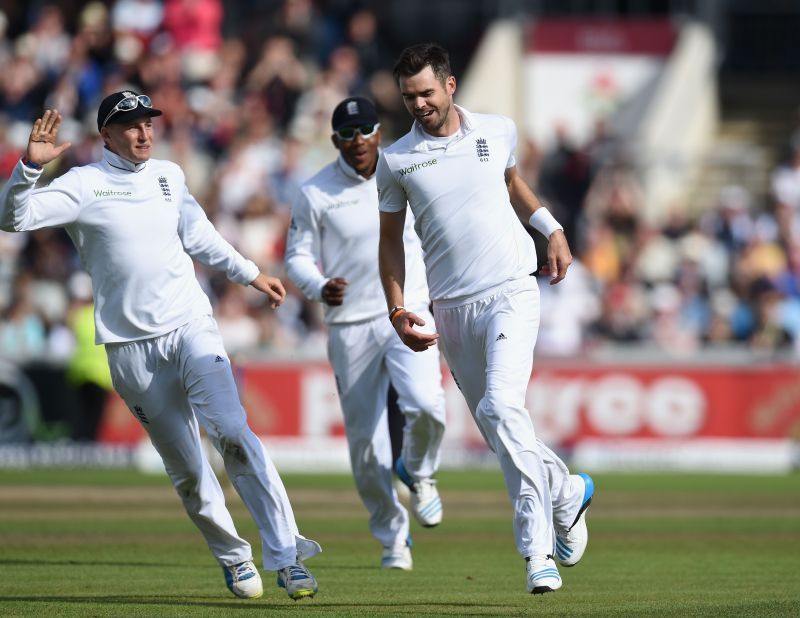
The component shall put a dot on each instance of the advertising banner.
(614, 415)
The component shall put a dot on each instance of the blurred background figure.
(87, 369)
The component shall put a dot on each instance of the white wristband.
(544, 222)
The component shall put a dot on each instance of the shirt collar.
(117, 162)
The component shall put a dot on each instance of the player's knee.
(496, 404)
(233, 452)
(188, 487)
(364, 460)
(423, 403)
(231, 429)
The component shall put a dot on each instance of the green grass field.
(90, 543)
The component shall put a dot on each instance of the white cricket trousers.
(488, 344)
(169, 383)
(365, 357)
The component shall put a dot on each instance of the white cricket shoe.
(243, 580)
(298, 581)
(571, 544)
(542, 574)
(398, 557)
(426, 504)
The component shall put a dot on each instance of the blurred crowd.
(717, 278)
(248, 119)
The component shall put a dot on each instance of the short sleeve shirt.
(471, 237)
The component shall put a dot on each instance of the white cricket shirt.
(135, 227)
(334, 233)
(472, 239)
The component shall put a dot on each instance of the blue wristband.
(31, 165)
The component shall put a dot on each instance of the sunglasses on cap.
(365, 131)
(127, 105)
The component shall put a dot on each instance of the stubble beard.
(444, 114)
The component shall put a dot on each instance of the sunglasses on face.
(129, 104)
(365, 131)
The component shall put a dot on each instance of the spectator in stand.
(311, 32)
(667, 328)
(22, 329)
(5, 45)
(194, 27)
(279, 78)
(236, 326)
(50, 42)
(571, 306)
(731, 222)
(9, 152)
(135, 23)
(87, 370)
(362, 34)
(769, 332)
(786, 178)
(94, 28)
(563, 182)
(21, 84)
(610, 221)
(604, 149)
(285, 180)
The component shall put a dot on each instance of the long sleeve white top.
(135, 227)
(334, 233)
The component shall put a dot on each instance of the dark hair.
(415, 58)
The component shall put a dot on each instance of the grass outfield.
(89, 543)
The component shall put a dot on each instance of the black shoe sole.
(542, 590)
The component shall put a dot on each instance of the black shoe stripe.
(583, 508)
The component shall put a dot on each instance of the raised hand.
(42, 142)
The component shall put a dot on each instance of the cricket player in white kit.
(455, 170)
(331, 256)
(137, 228)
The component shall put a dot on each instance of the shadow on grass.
(41, 561)
(183, 565)
(260, 605)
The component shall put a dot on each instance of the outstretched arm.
(526, 204)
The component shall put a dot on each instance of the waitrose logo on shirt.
(404, 171)
(111, 193)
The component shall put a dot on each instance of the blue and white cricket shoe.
(298, 581)
(426, 504)
(571, 545)
(243, 580)
(543, 574)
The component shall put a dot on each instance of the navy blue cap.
(354, 112)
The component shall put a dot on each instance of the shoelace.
(297, 571)
(242, 571)
(424, 488)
